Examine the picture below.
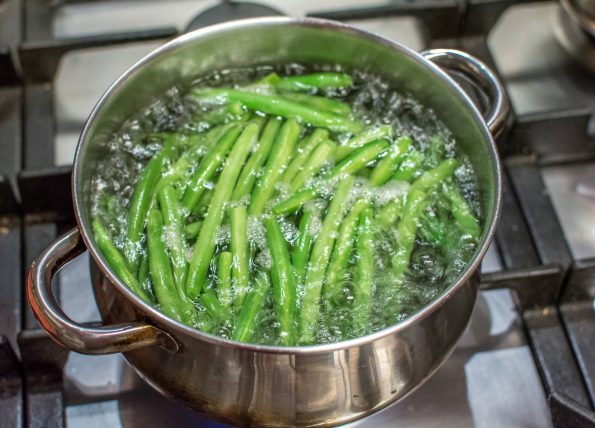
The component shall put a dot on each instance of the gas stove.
(528, 356)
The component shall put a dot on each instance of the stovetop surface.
(491, 379)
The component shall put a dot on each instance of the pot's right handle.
(479, 73)
(77, 337)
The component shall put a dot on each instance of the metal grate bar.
(539, 212)
(543, 133)
(45, 193)
(567, 413)
(579, 320)
(512, 235)
(553, 354)
(441, 18)
(43, 363)
(35, 238)
(38, 129)
(11, 398)
(40, 58)
(10, 277)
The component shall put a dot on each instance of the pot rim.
(154, 314)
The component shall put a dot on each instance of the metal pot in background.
(575, 30)
(588, 8)
(249, 384)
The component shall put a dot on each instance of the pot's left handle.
(80, 338)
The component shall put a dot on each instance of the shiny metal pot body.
(264, 385)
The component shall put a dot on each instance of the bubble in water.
(223, 235)
(256, 232)
(264, 259)
(289, 230)
(389, 192)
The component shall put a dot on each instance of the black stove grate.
(552, 289)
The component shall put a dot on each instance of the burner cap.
(229, 11)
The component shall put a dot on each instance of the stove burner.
(229, 11)
(575, 30)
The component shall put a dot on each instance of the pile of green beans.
(267, 221)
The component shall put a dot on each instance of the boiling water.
(373, 101)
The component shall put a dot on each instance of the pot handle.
(97, 340)
(480, 74)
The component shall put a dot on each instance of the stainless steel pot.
(266, 385)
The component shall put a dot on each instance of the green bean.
(319, 157)
(415, 202)
(111, 209)
(434, 176)
(406, 231)
(116, 260)
(324, 104)
(359, 158)
(303, 150)
(246, 325)
(410, 166)
(313, 81)
(173, 219)
(176, 172)
(276, 164)
(435, 152)
(259, 119)
(213, 135)
(301, 251)
(203, 203)
(363, 138)
(284, 288)
(192, 145)
(269, 79)
(211, 303)
(350, 165)
(257, 159)
(143, 273)
(275, 105)
(307, 82)
(319, 259)
(339, 263)
(142, 199)
(461, 211)
(294, 202)
(208, 167)
(204, 321)
(240, 252)
(363, 286)
(389, 163)
(433, 228)
(389, 214)
(197, 144)
(224, 263)
(224, 114)
(183, 164)
(364, 172)
(191, 230)
(205, 243)
(171, 300)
